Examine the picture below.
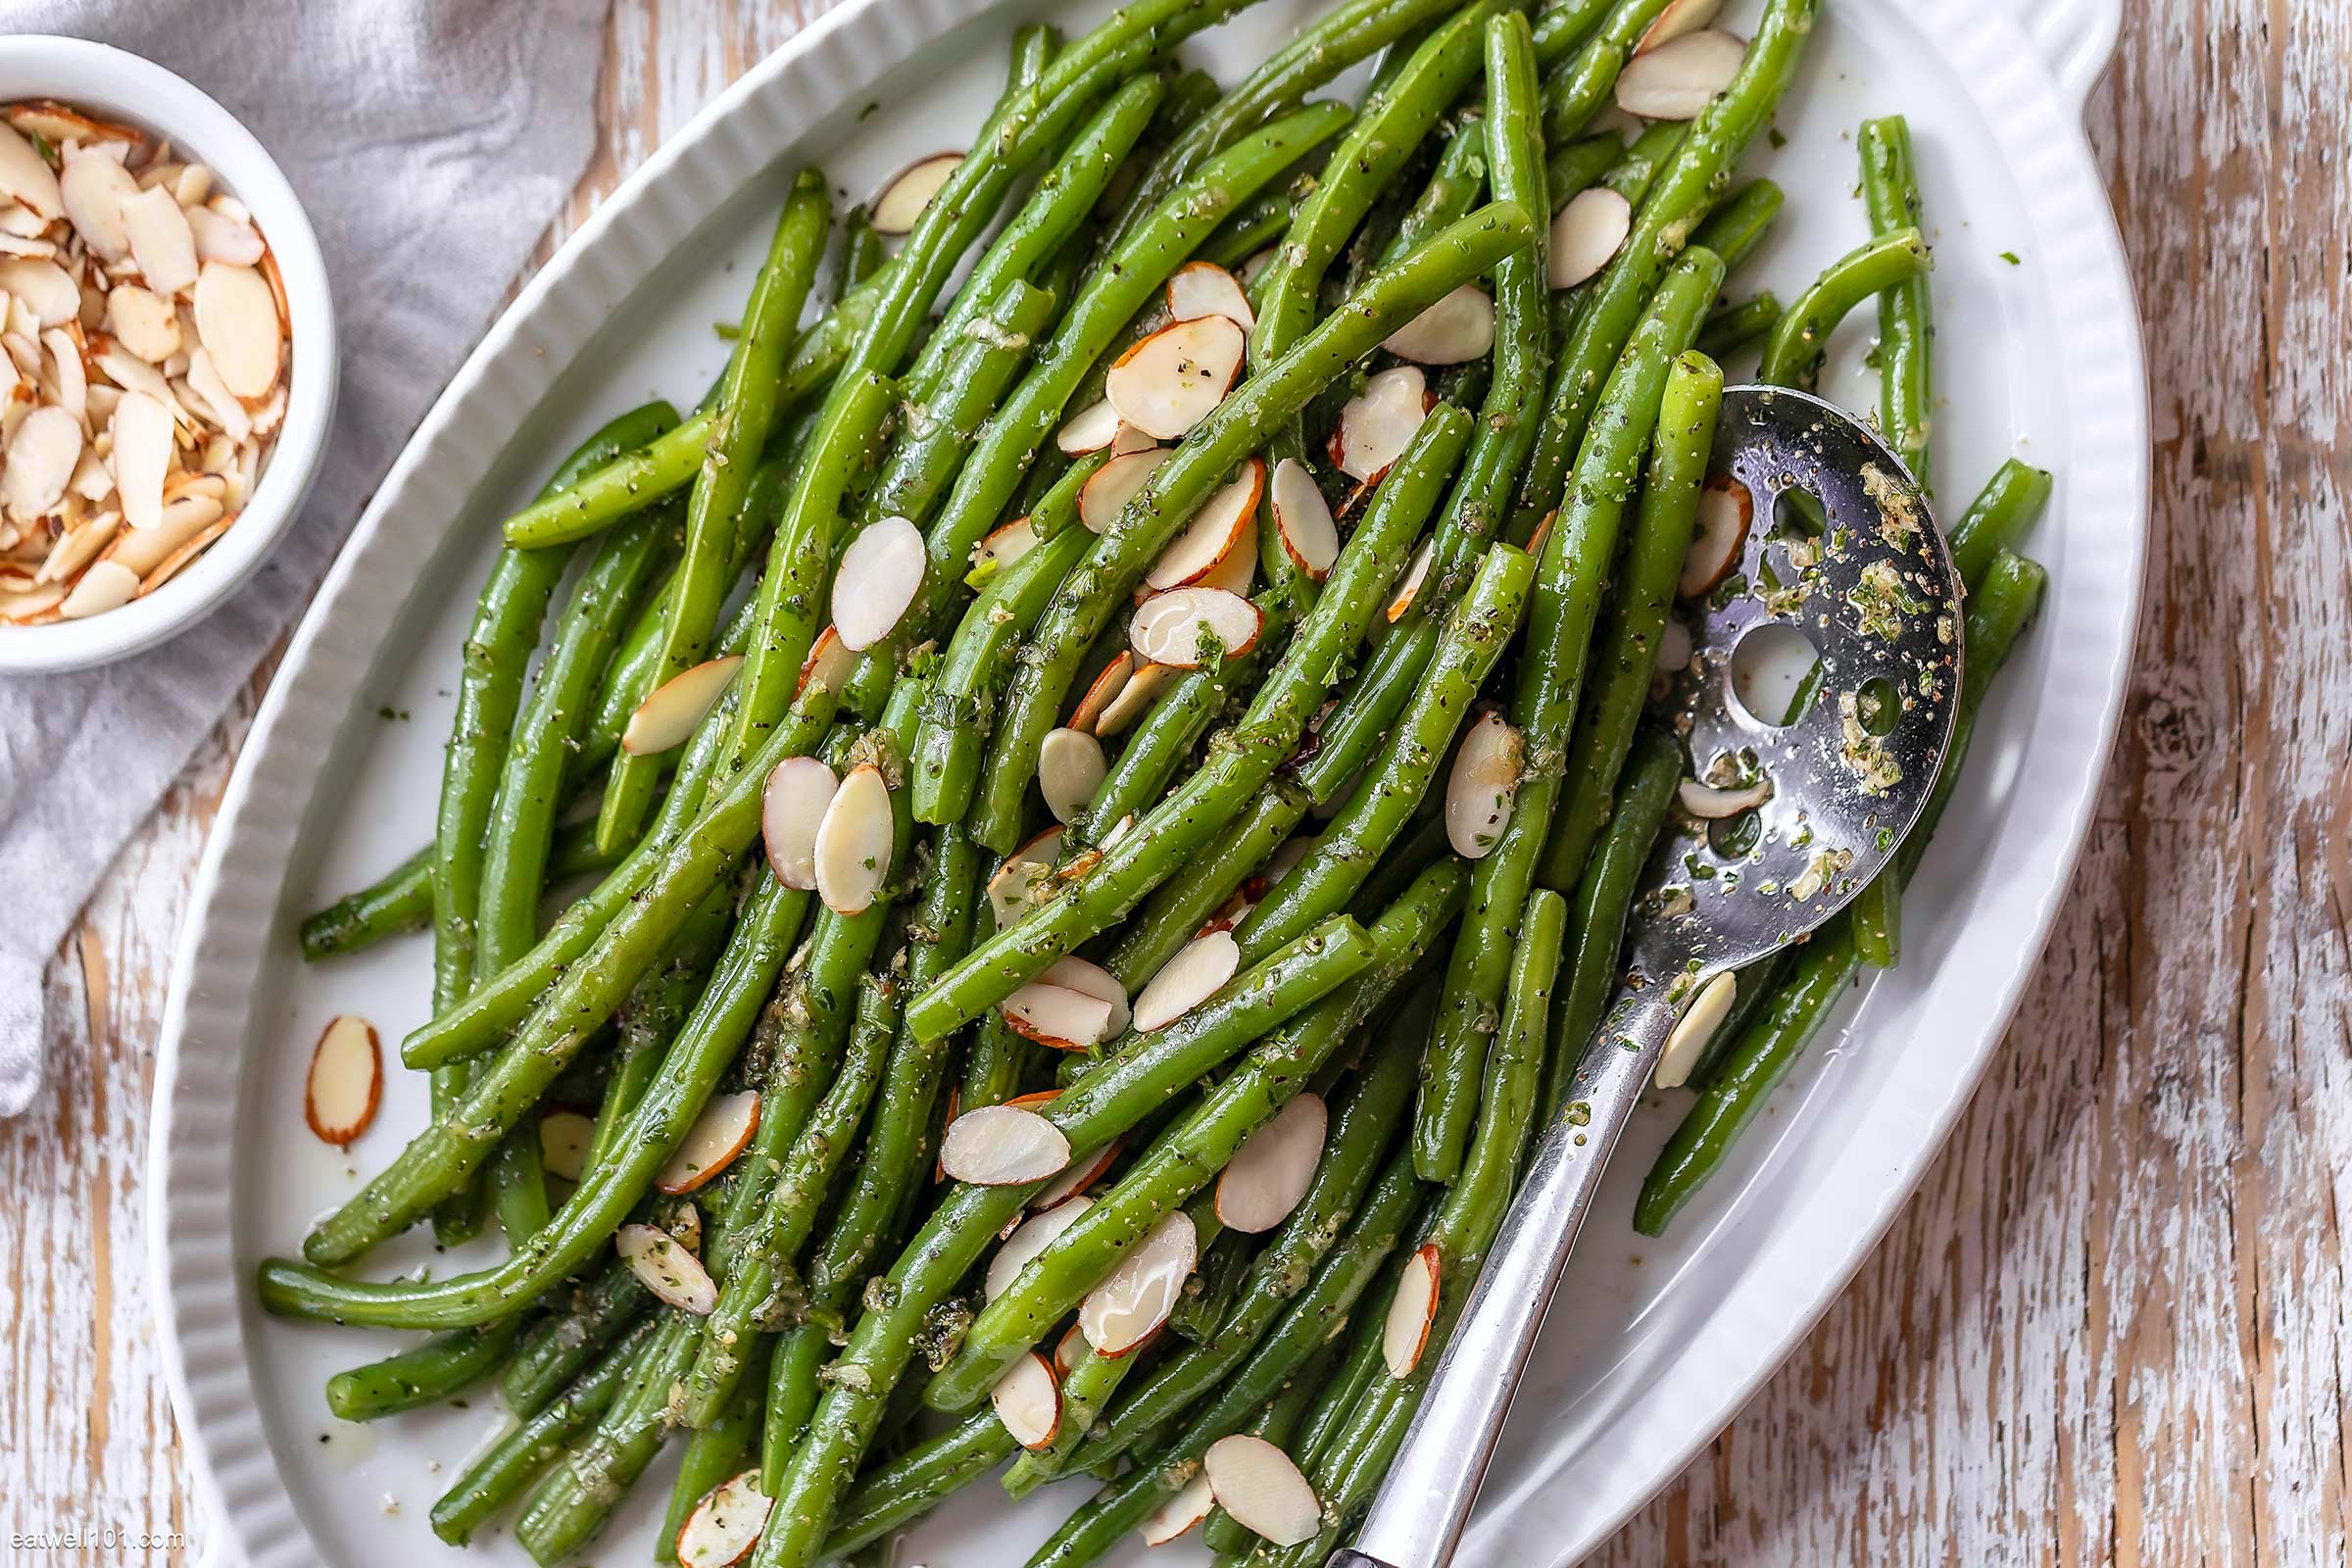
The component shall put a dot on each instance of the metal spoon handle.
(1417, 1517)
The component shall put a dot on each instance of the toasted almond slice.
(1171, 380)
(828, 663)
(726, 1525)
(160, 241)
(346, 1080)
(78, 546)
(1068, 1349)
(1254, 264)
(1002, 1146)
(1101, 692)
(221, 238)
(142, 435)
(237, 319)
(205, 377)
(1028, 1239)
(1677, 79)
(1273, 1169)
(1070, 768)
(42, 287)
(1378, 424)
(1679, 16)
(1133, 700)
(671, 710)
(1726, 511)
(1711, 804)
(1004, 545)
(1082, 1174)
(878, 578)
(1693, 1029)
(1458, 329)
(107, 585)
(41, 458)
(1091, 430)
(95, 187)
(1028, 1401)
(1129, 1307)
(1093, 980)
(184, 524)
(172, 564)
(1213, 532)
(853, 842)
(1237, 573)
(1404, 1334)
(904, 198)
(1022, 882)
(32, 606)
(27, 177)
(1059, 1016)
(69, 375)
(45, 117)
(1302, 519)
(1173, 1519)
(564, 1138)
(1278, 865)
(144, 322)
(22, 222)
(1411, 588)
(1203, 288)
(721, 1131)
(792, 808)
(1109, 488)
(664, 1266)
(1674, 647)
(1257, 1484)
(1197, 972)
(1190, 625)
(1587, 233)
(13, 245)
(1487, 770)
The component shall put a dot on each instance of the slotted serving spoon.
(1874, 592)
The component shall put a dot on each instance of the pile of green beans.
(1285, 802)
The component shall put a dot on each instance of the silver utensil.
(1874, 593)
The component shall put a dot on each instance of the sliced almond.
(1677, 19)
(1059, 1016)
(664, 1266)
(142, 435)
(107, 585)
(1258, 1485)
(1173, 379)
(34, 606)
(27, 177)
(903, 200)
(1004, 545)
(1212, 533)
(78, 546)
(184, 524)
(726, 1525)
(672, 709)
(792, 809)
(1302, 519)
(1070, 768)
(1278, 865)
(221, 238)
(1188, 626)
(61, 123)
(1378, 424)
(1092, 979)
(1711, 804)
(1173, 1519)
(160, 241)
(144, 322)
(1458, 329)
(1002, 1146)
(1029, 1237)
(1487, 770)
(95, 187)
(1197, 972)
(853, 842)
(1678, 78)
(1586, 234)
(1404, 1334)
(346, 1081)
(1082, 1174)
(1693, 1029)
(1726, 511)
(1132, 702)
(1409, 589)
(1025, 878)
(1237, 573)
(173, 563)
(1101, 691)
(828, 663)
(1203, 288)
(44, 289)
(1028, 1400)
(878, 578)
(41, 457)
(13, 245)
(1674, 647)
(69, 375)
(721, 1131)
(1274, 1168)
(1109, 488)
(564, 1138)
(1091, 430)
(1129, 1307)
(237, 319)
(1068, 1351)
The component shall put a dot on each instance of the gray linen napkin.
(431, 141)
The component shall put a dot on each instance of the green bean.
(1792, 354)
(1129, 1085)
(1364, 1364)
(1729, 328)
(892, 1496)
(558, 1347)
(441, 1368)
(630, 481)
(1193, 1152)
(1209, 1295)
(1906, 328)
(2011, 500)
(862, 251)
(975, 369)
(1254, 225)
(1740, 222)
(1580, 87)
(1680, 196)
(572, 1500)
(1561, 27)
(1165, 736)
(517, 1182)
(1578, 166)
(400, 901)
(1574, 581)
(719, 1452)
(1821, 971)
(1175, 913)
(523, 1452)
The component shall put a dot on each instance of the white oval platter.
(1653, 1344)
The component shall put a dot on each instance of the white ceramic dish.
(116, 85)
(1655, 1343)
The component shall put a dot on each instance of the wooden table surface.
(2115, 1325)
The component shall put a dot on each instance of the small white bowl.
(115, 85)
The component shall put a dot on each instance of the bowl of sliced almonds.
(167, 353)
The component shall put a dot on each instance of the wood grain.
(2114, 1326)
